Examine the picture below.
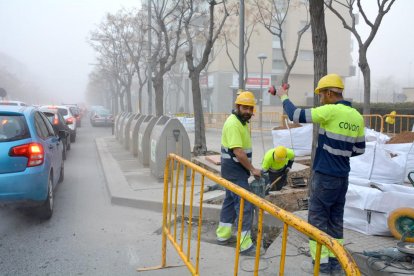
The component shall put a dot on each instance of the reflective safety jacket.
(341, 134)
(270, 164)
(234, 135)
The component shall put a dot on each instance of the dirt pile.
(403, 137)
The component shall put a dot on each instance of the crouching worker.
(277, 162)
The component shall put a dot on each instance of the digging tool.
(270, 186)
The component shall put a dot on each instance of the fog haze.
(49, 38)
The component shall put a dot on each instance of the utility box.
(127, 128)
(122, 127)
(144, 134)
(167, 136)
(117, 123)
(133, 133)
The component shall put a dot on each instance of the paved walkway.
(131, 184)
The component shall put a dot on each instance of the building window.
(306, 55)
(278, 64)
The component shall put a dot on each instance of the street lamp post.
(262, 58)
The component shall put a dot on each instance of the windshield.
(13, 128)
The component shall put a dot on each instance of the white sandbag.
(361, 165)
(379, 164)
(405, 148)
(359, 214)
(367, 209)
(372, 135)
(299, 139)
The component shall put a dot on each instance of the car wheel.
(62, 173)
(68, 144)
(46, 209)
(73, 138)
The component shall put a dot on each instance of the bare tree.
(230, 35)
(100, 89)
(200, 29)
(107, 41)
(272, 15)
(133, 32)
(167, 15)
(384, 7)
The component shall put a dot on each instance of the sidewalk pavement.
(130, 184)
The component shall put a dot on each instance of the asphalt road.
(86, 235)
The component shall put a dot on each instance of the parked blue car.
(31, 162)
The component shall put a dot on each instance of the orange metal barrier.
(176, 170)
(374, 121)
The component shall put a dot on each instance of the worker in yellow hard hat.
(390, 119)
(277, 162)
(236, 167)
(341, 136)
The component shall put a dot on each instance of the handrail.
(175, 163)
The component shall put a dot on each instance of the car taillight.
(56, 120)
(33, 151)
(69, 120)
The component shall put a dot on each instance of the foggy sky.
(49, 37)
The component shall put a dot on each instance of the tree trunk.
(129, 99)
(121, 101)
(140, 99)
(200, 147)
(115, 105)
(159, 96)
(366, 73)
(320, 64)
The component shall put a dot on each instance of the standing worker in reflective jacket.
(341, 136)
(236, 166)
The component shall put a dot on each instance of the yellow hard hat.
(330, 80)
(280, 153)
(246, 98)
(391, 118)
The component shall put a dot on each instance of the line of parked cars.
(34, 142)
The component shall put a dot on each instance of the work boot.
(324, 269)
(336, 269)
(231, 240)
(223, 233)
(252, 251)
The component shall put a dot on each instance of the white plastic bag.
(299, 139)
(405, 148)
(379, 164)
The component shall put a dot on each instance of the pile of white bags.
(375, 185)
(368, 205)
(384, 166)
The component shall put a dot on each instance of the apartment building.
(220, 84)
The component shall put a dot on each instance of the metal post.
(150, 61)
(262, 58)
(241, 46)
